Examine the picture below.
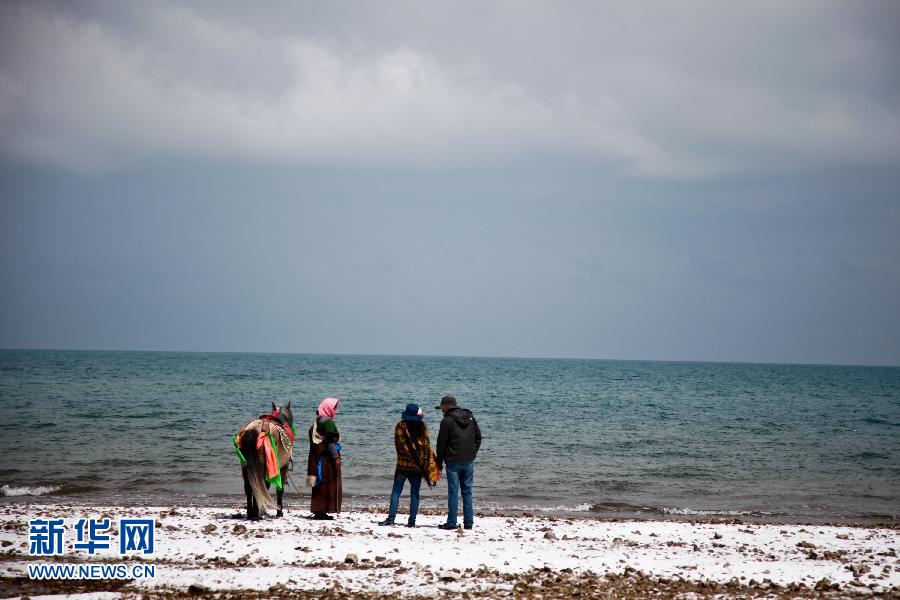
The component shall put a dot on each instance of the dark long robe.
(327, 495)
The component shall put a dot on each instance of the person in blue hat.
(415, 460)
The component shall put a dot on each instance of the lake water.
(586, 437)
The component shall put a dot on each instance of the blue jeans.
(460, 476)
(414, 483)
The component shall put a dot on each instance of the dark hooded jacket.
(459, 438)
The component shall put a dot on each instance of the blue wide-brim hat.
(412, 413)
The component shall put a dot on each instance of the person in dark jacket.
(459, 440)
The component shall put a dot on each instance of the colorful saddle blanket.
(269, 426)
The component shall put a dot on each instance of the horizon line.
(488, 357)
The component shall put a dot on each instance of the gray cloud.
(693, 90)
(691, 180)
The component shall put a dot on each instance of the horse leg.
(252, 508)
(280, 492)
(251, 471)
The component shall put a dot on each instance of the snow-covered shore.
(215, 550)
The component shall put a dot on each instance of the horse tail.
(256, 468)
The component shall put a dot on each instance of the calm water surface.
(588, 437)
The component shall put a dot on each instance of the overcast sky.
(656, 180)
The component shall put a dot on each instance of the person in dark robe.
(323, 468)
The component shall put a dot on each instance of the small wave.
(585, 507)
(607, 507)
(618, 485)
(143, 480)
(562, 508)
(711, 513)
(869, 455)
(681, 472)
(877, 421)
(36, 490)
(880, 517)
(875, 497)
(73, 490)
(624, 507)
(150, 415)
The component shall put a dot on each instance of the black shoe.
(410, 524)
(447, 526)
(467, 527)
(322, 517)
(387, 522)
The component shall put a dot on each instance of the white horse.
(273, 432)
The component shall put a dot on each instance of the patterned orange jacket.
(423, 462)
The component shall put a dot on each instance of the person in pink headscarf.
(323, 467)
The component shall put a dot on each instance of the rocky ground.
(213, 552)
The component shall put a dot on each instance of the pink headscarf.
(328, 407)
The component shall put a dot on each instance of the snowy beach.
(210, 551)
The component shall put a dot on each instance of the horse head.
(283, 413)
